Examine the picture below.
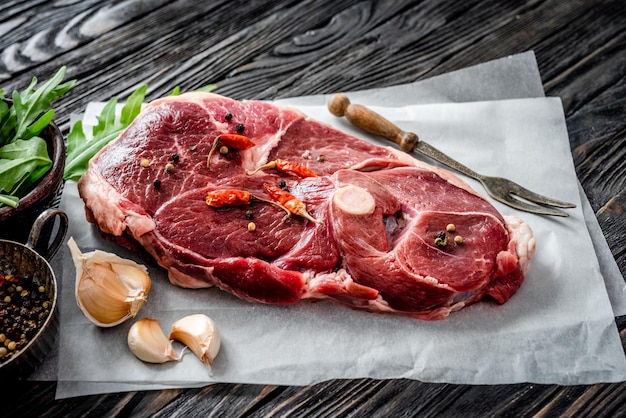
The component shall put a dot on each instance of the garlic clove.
(148, 343)
(200, 333)
(109, 289)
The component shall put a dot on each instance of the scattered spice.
(249, 215)
(24, 313)
(458, 240)
(175, 157)
(285, 166)
(320, 158)
(441, 239)
(192, 148)
(240, 128)
(451, 228)
(169, 167)
(228, 116)
(145, 163)
(157, 183)
(223, 149)
(251, 226)
(283, 184)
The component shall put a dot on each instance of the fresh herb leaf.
(23, 154)
(40, 124)
(208, 88)
(7, 122)
(133, 105)
(22, 163)
(8, 200)
(80, 149)
(106, 119)
(4, 115)
(31, 105)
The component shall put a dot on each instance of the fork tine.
(508, 186)
(531, 196)
(527, 207)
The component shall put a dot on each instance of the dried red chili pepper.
(285, 166)
(235, 197)
(289, 202)
(224, 197)
(234, 141)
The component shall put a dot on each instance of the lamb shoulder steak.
(382, 227)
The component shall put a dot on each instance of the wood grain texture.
(257, 49)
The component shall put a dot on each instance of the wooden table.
(271, 49)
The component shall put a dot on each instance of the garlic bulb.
(148, 343)
(200, 334)
(109, 289)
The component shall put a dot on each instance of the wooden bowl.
(27, 264)
(15, 223)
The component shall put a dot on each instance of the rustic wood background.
(271, 49)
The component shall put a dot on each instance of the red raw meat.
(380, 212)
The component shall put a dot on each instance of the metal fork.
(501, 189)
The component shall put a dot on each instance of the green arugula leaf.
(80, 149)
(31, 104)
(12, 201)
(106, 119)
(40, 124)
(23, 154)
(22, 163)
(7, 122)
(208, 88)
(133, 106)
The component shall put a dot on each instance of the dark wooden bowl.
(15, 223)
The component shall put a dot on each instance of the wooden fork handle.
(370, 121)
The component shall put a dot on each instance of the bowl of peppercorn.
(29, 321)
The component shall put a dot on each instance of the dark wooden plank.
(258, 49)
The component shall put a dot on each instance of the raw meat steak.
(380, 213)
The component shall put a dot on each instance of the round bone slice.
(354, 200)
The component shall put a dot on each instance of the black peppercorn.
(228, 116)
(441, 239)
(240, 128)
(175, 157)
(249, 215)
(157, 183)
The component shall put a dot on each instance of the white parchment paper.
(558, 328)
